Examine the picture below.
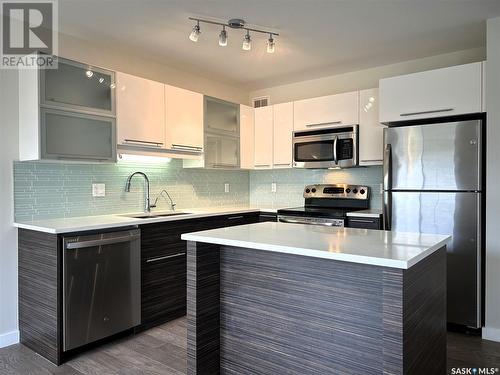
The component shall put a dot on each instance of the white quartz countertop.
(374, 247)
(85, 223)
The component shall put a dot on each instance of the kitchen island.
(276, 298)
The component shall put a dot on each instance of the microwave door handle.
(335, 150)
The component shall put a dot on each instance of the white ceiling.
(317, 37)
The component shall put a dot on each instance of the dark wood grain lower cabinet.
(40, 293)
(163, 259)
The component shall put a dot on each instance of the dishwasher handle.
(103, 241)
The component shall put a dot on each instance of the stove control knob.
(362, 191)
(347, 190)
(313, 190)
(355, 191)
(308, 191)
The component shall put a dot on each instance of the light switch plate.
(98, 190)
(273, 187)
(226, 187)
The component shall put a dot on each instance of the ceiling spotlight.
(247, 42)
(89, 73)
(223, 37)
(270, 44)
(195, 33)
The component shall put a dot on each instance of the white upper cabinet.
(434, 93)
(340, 109)
(371, 132)
(282, 135)
(140, 111)
(183, 119)
(247, 137)
(263, 137)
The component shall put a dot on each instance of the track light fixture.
(247, 42)
(223, 37)
(270, 44)
(234, 23)
(195, 33)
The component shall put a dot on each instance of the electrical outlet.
(98, 190)
(226, 187)
(381, 188)
(273, 187)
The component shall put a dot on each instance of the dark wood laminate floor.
(162, 350)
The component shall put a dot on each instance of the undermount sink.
(152, 215)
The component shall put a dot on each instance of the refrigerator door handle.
(387, 167)
(387, 210)
(479, 276)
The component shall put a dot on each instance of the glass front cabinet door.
(78, 86)
(222, 117)
(70, 135)
(68, 113)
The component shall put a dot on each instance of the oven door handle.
(289, 221)
(335, 150)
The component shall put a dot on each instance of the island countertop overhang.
(374, 247)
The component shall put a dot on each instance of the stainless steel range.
(327, 205)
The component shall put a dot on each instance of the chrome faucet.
(172, 204)
(148, 206)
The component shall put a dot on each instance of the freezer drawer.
(458, 215)
(444, 156)
(101, 286)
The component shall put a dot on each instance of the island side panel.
(283, 313)
(424, 319)
(39, 295)
(203, 286)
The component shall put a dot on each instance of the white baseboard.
(9, 338)
(490, 333)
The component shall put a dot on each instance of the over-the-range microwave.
(331, 147)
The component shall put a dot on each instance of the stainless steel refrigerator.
(433, 184)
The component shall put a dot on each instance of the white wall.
(8, 235)
(492, 328)
(364, 79)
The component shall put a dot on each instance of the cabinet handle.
(219, 165)
(82, 158)
(324, 124)
(372, 160)
(268, 215)
(235, 217)
(426, 112)
(262, 165)
(157, 259)
(362, 221)
(287, 164)
(155, 144)
(186, 147)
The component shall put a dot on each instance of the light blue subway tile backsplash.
(52, 190)
(290, 184)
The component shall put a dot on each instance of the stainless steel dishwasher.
(101, 286)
